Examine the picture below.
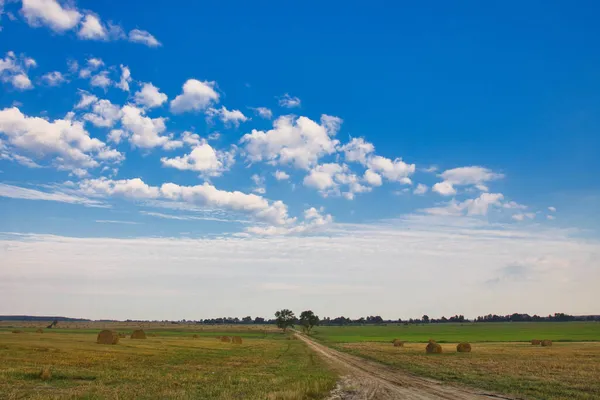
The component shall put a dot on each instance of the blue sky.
(381, 139)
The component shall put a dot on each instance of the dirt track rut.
(365, 379)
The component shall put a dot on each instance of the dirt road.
(364, 379)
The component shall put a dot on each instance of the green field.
(469, 332)
(171, 365)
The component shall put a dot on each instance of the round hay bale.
(138, 334)
(463, 347)
(433, 347)
(236, 340)
(225, 339)
(195, 336)
(45, 374)
(398, 343)
(39, 330)
(536, 342)
(546, 343)
(17, 331)
(107, 337)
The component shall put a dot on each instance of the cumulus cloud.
(13, 70)
(465, 176)
(104, 114)
(149, 96)
(300, 142)
(50, 13)
(196, 96)
(421, 189)
(259, 182)
(101, 80)
(228, 117)
(54, 78)
(143, 131)
(263, 112)
(444, 188)
(281, 175)
(272, 212)
(288, 101)
(373, 178)
(314, 220)
(393, 170)
(123, 83)
(357, 150)
(472, 207)
(143, 37)
(92, 29)
(330, 178)
(522, 217)
(552, 209)
(203, 158)
(86, 100)
(64, 141)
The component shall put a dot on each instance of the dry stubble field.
(173, 364)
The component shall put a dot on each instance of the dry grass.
(138, 334)
(107, 337)
(567, 371)
(463, 347)
(170, 366)
(433, 347)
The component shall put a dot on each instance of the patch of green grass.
(169, 366)
(468, 332)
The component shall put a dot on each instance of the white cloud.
(123, 84)
(421, 189)
(203, 272)
(275, 212)
(17, 192)
(203, 158)
(13, 70)
(313, 221)
(514, 205)
(263, 112)
(522, 217)
(373, 178)
(196, 96)
(143, 37)
(552, 209)
(92, 65)
(281, 175)
(54, 78)
(472, 207)
(92, 29)
(228, 117)
(101, 79)
(104, 114)
(259, 181)
(65, 141)
(50, 13)
(288, 101)
(143, 131)
(116, 135)
(393, 170)
(469, 175)
(21, 81)
(86, 100)
(149, 96)
(357, 150)
(444, 188)
(329, 178)
(332, 124)
(465, 176)
(300, 142)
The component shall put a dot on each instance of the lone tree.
(308, 320)
(285, 318)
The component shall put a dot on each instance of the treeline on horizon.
(370, 320)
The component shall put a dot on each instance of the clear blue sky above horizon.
(303, 153)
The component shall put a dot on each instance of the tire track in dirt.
(366, 379)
